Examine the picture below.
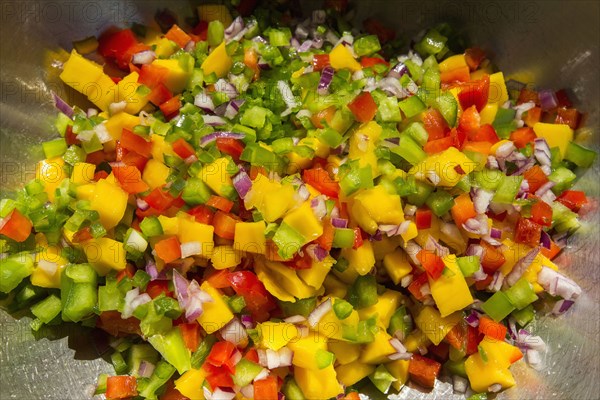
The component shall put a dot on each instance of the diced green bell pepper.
(382, 379)
(400, 321)
(412, 106)
(13, 269)
(498, 306)
(440, 202)
(432, 43)
(363, 292)
(195, 192)
(563, 179)
(423, 192)
(456, 368)
(118, 363)
(342, 309)
(366, 45)
(245, 372)
(488, 179)
(353, 177)
(301, 307)
(508, 189)
(78, 292)
(524, 316)
(292, 391)
(138, 353)
(409, 150)
(216, 33)
(162, 373)
(417, 131)
(203, 350)
(468, 265)
(521, 294)
(173, 349)
(343, 238)
(47, 309)
(288, 241)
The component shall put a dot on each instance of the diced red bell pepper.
(100, 175)
(128, 272)
(303, 261)
(463, 209)
(191, 335)
(358, 239)
(171, 107)
(177, 35)
(218, 377)
(70, 137)
(320, 61)
(220, 353)
(251, 355)
(573, 199)
(475, 94)
(258, 301)
(266, 388)
(535, 177)
(438, 145)
(528, 232)
(230, 146)
(367, 62)
(111, 322)
(474, 56)
(363, 107)
(130, 179)
(168, 249)
(439, 352)
(486, 133)
(219, 279)
(492, 258)
(527, 95)
(435, 124)
(478, 147)
(82, 235)
(456, 337)
(157, 287)
(568, 116)
(552, 252)
(456, 75)
(224, 224)
(326, 239)
(220, 203)
(532, 116)
(151, 75)
(432, 263)
(423, 370)
(115, 45)
(183, 149)
(522, 137)
(492, 329)
(541, 213)
(159, 199)
(16, 226)
(562, 98)
(483, 284)
(133, 142)
(95, 158)
(171, 393)
(415, 286)
(423, 218)
(375, 27)
(473, 340)
(469, 122)
(159, 94)
(459, 138)
(121, 387)
(320, 180)
(202, 214)
(324, 116)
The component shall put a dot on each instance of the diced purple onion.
(521, 266)
(233, 108)
(248, 391)
(260, 39)
(542, 151)
(496, 283)
(62, 105)
(545, 240)
(234, 28)
(213, 120)
(548, 99)
(398, 71)
(218, 394)
(481, 199)
(247, 321)
(524, 167)
(242, 184)
(295, 319)
(533, 358)
(560, 239)
(234, 332)
(319, 312)
(221, 134)
(301, 32)
(479, 275)
(492, 163)
(143, 57)
(204, 101)
(142, 204)
(475, 250)
(220, 110)
(339, 222)
(318, 17)
(146, 369)
(434, 246)
(133, 299)
(305, 46)
(476, 226)
(325, 81)
(401, 353)
(190, 249)
(319, 207)
(544, 188)
(473, 319)
(393, 140)
(556, 284)
(496, 233)
(393, 87)
(316, 252)
(412, 249)
(562, 306)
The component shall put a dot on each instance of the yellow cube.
(444, 166)
(333, 328)
(103, 93)
(399, 370)
(345, 352)
(250, 237)
(556, 135)
(362, 260)
(110, 201)
(397, 265)
(155, 174)
(483, 374)
(165, 48)
(40, 277)
(160, 147)
(78, 71)
(512, 253)
(450, 291)
(315, 275)
(281, 281)
(318, 384)
(83, 173)
(375, 206)
(51, 172)
(190, 384)
(218, 61)
(127, 90)
(453, 62)
(411, 232)
(498, 93)
(216, 175)
(105, 254)
(270, 197)
(169, 225)
(341, 58)
(192, 231)
(306, 348)
(364, 150)
(415, 340)
(378, 350)
(115, 124)
(349, 374)
(488, 113)
(224, 257)
(216, 313)
(177, 78)
(387, 303)
(304, 221)
(85, 192)
(434, 326)
(275, 335)
(334, 287)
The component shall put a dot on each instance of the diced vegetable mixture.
(264, 206)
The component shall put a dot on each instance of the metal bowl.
(544, 43)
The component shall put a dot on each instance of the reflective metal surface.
(554, 44)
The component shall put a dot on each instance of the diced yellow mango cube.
(450, 291)
(498, 93)
(78, 71)
(103, 92)
(275, 335)
(110, 201)
(215, 12)
(345, 352)
(397, 265)
(160, 147)
(216, 175)
(334, 287)
(192, 231)
(415, 340)
(434, 326)
(444, 166)
(488, 113)
(127, 90)
(362, 259)
(315, 275)
(378, 350)
(281, 281)
(250, 237)
(305, 349)
(363, 143)
(556, 135)
(399, 370)
(51, 172)
(190, 384)
(375, 206)
(269, 197)
(85, 192)
(483, 374)
(501, 352)
(115, 124)
(216, 313)
(386, 304)
(385, 246)
(170, 225)
(155, 174)
(411, 232)
(218, 61)
(453, 62)
(164, 48)
(304, 221)
(224, 257)
(331, 327)
(512, 253)
(105, 254)
(39, 276)
(341, 58)
(83, 173)
(178, 77)
(349, 374)
(318, 384)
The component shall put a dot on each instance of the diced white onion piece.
(189, 249)
(48, 267)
